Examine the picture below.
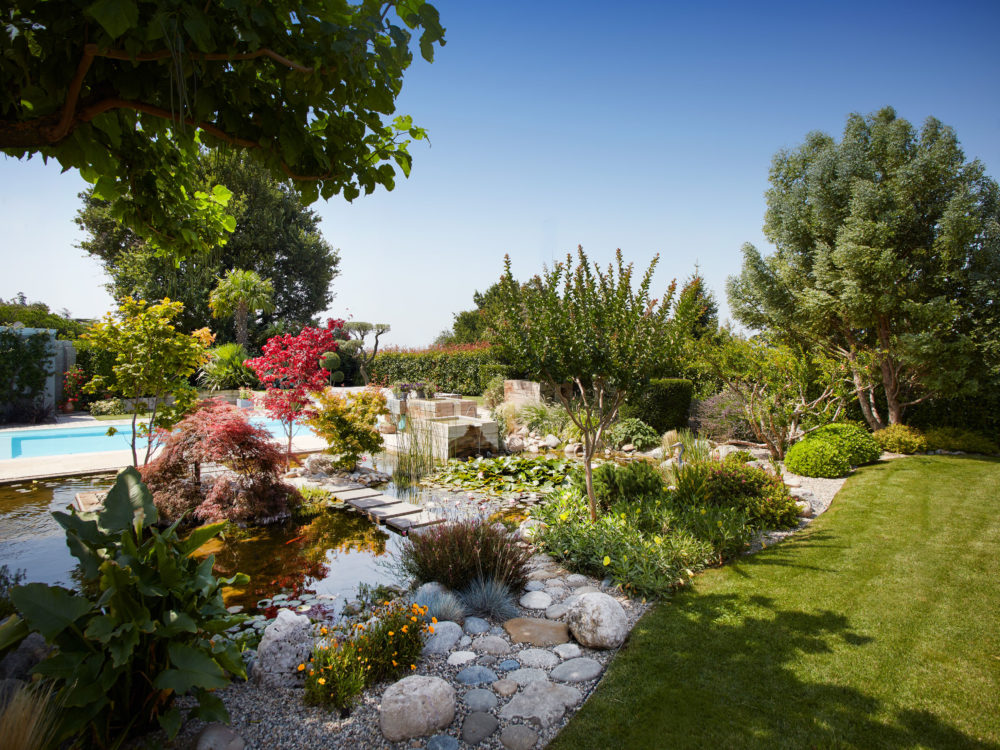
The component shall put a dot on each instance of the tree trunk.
(242, 313)
(589, 474)
(135, 414)
(890, 378)
(149, 431)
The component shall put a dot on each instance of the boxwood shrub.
(663, 404)
(817, 458)
(853, 440)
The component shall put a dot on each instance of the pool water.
(63, 441)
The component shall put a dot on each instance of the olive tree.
(589, 328)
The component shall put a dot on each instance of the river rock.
(529, 529)
(538, 657)
(490, 644)
(535, 600)
(20, 662)
(805, 509)
(557, 611)
(536, 631)
(476, 625)
(515, 443)
(551, 441)
(476, 675)
(287, 642)
(526, 676)
(567, 650)
(518, 737)
(580, 669)
(218, 737)
(480, 699)
(478, 726)
(598, 621)
(446, 635)
(416, 706)
(534, 586)
(505, 688)
(542, 703)
(442, 742)
(458, 658)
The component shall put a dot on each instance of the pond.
(329, 554)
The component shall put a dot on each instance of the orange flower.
(434, 620)
(301, 667)
(430, 628)
(395, 663)
(323, 631)
(321, 680)
(391, 634)
(404, 628)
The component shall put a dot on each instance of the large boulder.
(541, 703)
(287, 642)
(515, 443)
(20, 662)
(446, 635)
(416, 706)
(319, 463)
(598, 621)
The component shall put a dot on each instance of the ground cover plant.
(855, 632)
(505, 474)
(149, 632)
(457, 553)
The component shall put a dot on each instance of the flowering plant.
(73, 383)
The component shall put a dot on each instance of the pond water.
(329, 554)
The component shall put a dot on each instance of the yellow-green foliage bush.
(900, 438)
(957, 439)
(348, 423)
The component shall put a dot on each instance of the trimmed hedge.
(451, 370)
(816, 458)
(663, 404)
(901, 438)
(854, 441)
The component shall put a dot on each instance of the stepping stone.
(505, 688)
(536, 631)
(567, 650)
(541, 703)
(478, 726)
(476, 675)
(480, 699)
(476, 625)
(525, 676)
(442, 742)
(538, 657)
(536, 600)
(458, 658)
(348, 495)
(508, 665)
(491, 644)
(580, 669)
(372, 502)
(383, 512)
(406, 524)
(518, 737)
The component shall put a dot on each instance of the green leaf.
(198, 28)
(128, 502)
(116, 16)
(170, 722)
(48, 609)
(101, 628)
(191, 668)
(12, 631)
(199, 536)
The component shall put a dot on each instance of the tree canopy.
(275, 236)
(885, 242)
(238, 294)
(131, 91)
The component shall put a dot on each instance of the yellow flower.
(413, 666)
(323, 631)
(607, 560)
(391, 634)
(703, 511)
(321, 680)
(657, 539)
(563, 516)
(434, 620)
(301, 667)
(403, 629)
(414, 619)
(430, 628)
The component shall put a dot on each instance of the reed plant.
(28, 719)
(415, 457)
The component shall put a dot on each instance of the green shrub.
(738, 457)
(457, 370)
(227, 369)
(761, 495)
(634, 431)
(816, 458)
(108, 407)
(335, 675)
(348, 423)
(455, 554)
(957, 439)
(900, 438)
(24, 365)
(151, 632)
(663, 404)
(613, 484)
(853, 440)
(493, 394)
(979, 413)
(544, 418)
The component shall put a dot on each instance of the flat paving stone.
(538, 657)
(580, 669)
(536, 631)
(526, 675)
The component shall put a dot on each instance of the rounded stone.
(538, 657)
(476, 625)
(476, 675)
(218, 737)
(480, 699)
(580, 669)
(491, 644)
(576, 580)
(525, 675)
(478, 726)
(416, 706)
(487, 660)
(287, 642)
(557, 611)
(458, 658)
(518, 737)
(556, 592)
(598, 621)
(534, 586)
(536, 600)
(505, 688)
(446, 635)
(508, 664)
(567, 650)
(442, 742)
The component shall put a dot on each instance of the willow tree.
(129, 92)
(238, 294)
(885, 241)
(590, 329)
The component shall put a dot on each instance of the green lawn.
(878, 627)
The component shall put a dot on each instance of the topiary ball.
(816, 458)
(853, 440)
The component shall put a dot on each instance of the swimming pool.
(64, 441)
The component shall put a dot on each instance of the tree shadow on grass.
(731, 671)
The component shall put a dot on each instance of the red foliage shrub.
(220, 433)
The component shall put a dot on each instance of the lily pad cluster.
(505, 474)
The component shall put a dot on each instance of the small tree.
(290, 368)
(365, 357)
(239, 293)
(348, 423)
(589, 328)
(151, 359)
(778, 387)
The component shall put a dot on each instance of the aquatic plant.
(506, 474)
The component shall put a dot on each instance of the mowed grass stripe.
(877, 627)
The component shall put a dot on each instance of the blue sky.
(644, 126)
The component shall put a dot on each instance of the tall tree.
(877, 238)
(129, 92)
(275, 236)
(579, 325)
(238, 294)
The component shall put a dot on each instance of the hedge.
(980, 413)
(24, 365)
(663, 404)
(454, 371)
